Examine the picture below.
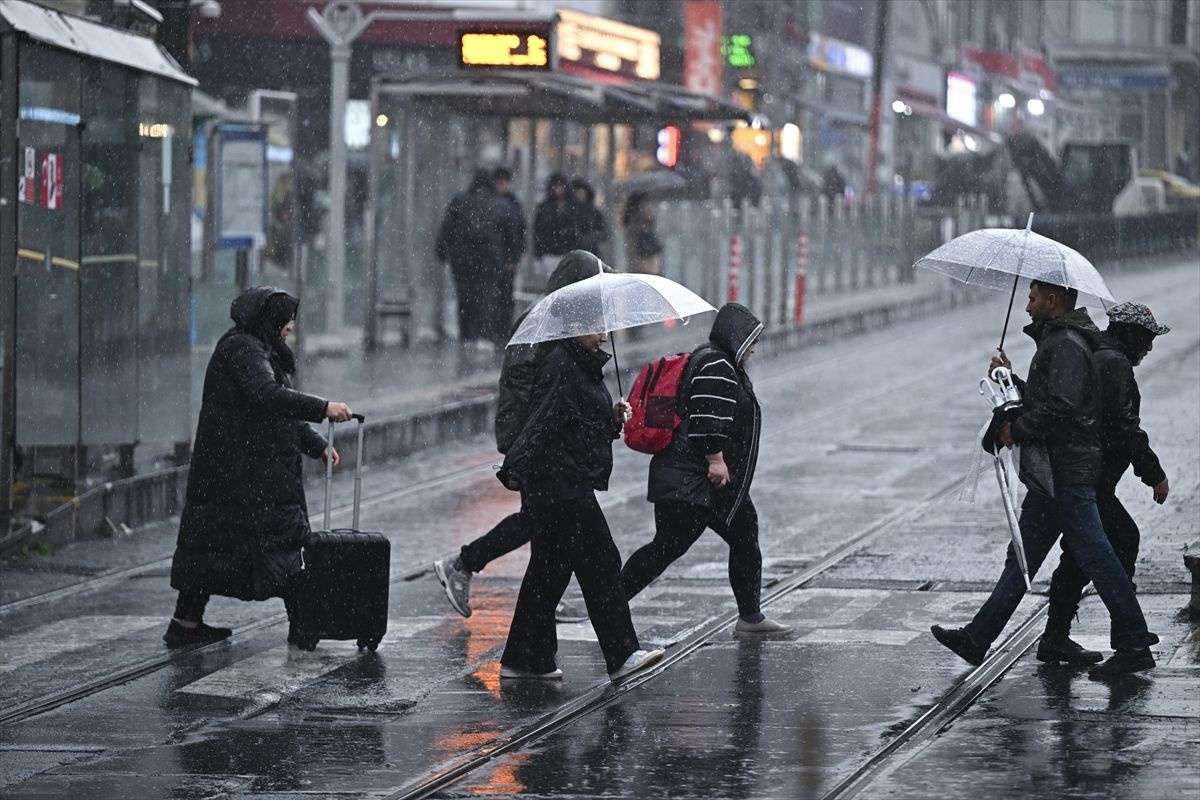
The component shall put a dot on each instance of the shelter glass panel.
(108, 282)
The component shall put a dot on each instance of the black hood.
(734, 330)
(575, 266)
(249, 314)
(483, 180)
(1076, 320)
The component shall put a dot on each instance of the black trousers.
(1068, 581)
(502, 308)
(508, 534)
(570, 536)
(678, 526)
(476, 292)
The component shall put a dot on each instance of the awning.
(950, 123)
(91, 39)
(834, 114)
(559, 96)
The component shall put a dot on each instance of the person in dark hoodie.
(1129, 338)
(245, 517)
(1061, 418)
(702, 479)
(591, 227)
(517, 376)
(473, 240)
(555, 226)
(558, 462)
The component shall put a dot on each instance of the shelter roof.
(505, 93)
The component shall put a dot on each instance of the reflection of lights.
(43, 114)
(1006, 100)
(1036, 107)
(760, 139)
(898, 106)
(381, 120)
(790, 141)
(970, 143)
(716, 135)
(155, 130)
(749, 84)
(756, 123)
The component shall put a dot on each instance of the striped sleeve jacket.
(711, 402)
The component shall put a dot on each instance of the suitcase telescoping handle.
(357, 473)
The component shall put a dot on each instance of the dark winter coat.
(555, 227)
(1122, 440)
(474, 235)
(245, 516)
(521, 362)
(1062, 402)
(564, 451)
(592, 229)
(720, 415)
(512, 228)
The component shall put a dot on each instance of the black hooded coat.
(245, 515)
(720, 415)
(521, 361)
(1122, 440)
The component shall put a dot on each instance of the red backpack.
(655, 401)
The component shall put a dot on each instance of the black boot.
(958, 640)
(1123, 662)
(1064, 650)
(179, 636)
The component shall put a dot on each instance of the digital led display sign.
(505, 50)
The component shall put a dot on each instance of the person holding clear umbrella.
(1062, 408)
(561, 458)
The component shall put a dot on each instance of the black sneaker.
(1065, 650)
(1123, 662)
(958, 640)
(179, 636)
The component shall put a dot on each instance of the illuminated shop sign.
(508, 50)
(737, 52)
(597, 44)
(960, 99)
(836, 56)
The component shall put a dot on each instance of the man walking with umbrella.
(1130, 336)
(1062, 409)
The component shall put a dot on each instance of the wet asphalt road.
(864, 546)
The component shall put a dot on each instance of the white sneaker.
(637, 661)
(767, 627)
(520, 674)
(569, 612)
(457, 584)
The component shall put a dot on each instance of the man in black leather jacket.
(1130, 336)
(1061, 420)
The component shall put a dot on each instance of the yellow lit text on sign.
(504, 50)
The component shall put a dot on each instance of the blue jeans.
(1072, 513)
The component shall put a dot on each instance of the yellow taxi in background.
(1178, 188)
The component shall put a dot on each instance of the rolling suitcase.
(344, 591)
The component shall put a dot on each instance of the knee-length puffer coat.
(245, 516)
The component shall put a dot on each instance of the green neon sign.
(736, 50)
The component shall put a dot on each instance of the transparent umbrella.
(607, 302)
(997, 258)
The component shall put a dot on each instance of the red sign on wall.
(703, 69)
(52, 181)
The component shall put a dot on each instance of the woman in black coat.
(245, 516)
(562, 457)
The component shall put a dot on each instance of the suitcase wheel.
(370, 644)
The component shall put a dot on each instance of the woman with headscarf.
(245, 517)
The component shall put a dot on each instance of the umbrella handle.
(617, 367)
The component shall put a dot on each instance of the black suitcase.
(344, 591)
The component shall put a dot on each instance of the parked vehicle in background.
(1179, 190)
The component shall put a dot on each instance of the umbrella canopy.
(658, 181)
(997, 258)
(607, 302)
(992, 257)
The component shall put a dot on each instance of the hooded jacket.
(555, 227)
(521, 362)
(564, 451)
(475, 233)
(245, 516)
(1122, 440)
(720, 415)
(1062, 403)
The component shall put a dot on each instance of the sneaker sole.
(557, 675)
(440, 572)
(642, 667)
(784, 632)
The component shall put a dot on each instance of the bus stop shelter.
(431, 132)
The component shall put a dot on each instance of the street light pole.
(340, 23)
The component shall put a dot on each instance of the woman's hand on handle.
(338, 412)
(336, 458)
